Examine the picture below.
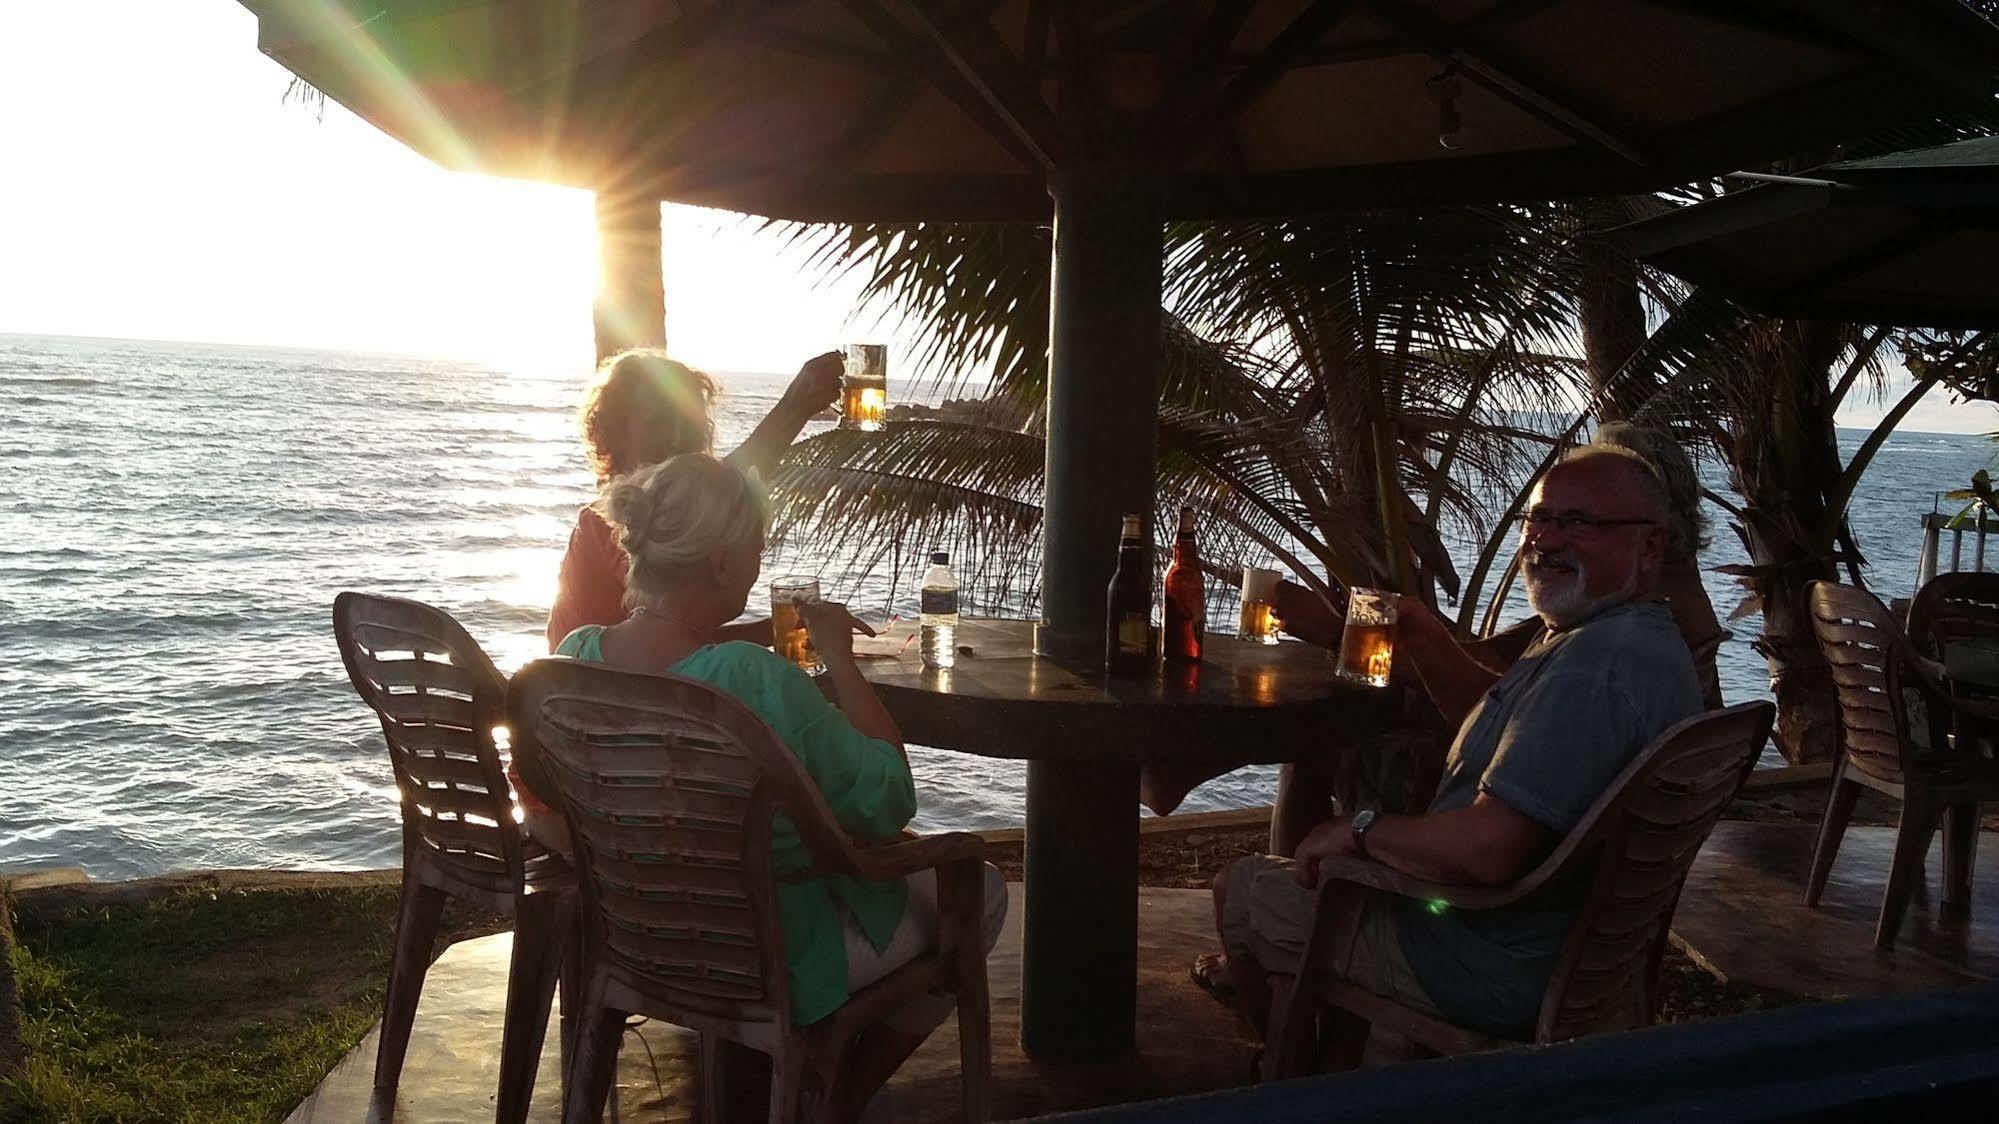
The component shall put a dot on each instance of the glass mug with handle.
(864, 388)
(1367, 644)
(1259, 622)
(787, 626)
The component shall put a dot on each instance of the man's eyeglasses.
(1575, 523)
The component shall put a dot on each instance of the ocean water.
(175, 520)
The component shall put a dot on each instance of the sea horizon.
(181, 516)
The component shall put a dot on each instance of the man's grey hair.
(1643, 474)
(1686, 525)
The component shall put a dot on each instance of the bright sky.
(157, 187)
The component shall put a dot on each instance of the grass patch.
(201, 1006)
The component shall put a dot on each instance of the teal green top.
(866, 783)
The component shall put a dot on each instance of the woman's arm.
(816, 387)
(832, 628)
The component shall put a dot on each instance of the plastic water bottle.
(940, 612)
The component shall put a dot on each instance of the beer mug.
(1258, 623)
(787, 627)
(1367, 647)
(864, 388)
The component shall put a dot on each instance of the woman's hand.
(817, 384)
(832, 629)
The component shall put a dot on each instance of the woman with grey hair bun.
(693, 529)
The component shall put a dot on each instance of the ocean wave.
(169, 591)
(44, 380)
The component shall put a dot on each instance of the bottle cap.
(1186, 520)
(1131, 525)
(940, 558)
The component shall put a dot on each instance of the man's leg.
(1247, 981)
(1304, 801)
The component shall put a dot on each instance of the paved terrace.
(1741, 916)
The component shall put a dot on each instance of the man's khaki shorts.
(1266, 916)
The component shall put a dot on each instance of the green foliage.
(198, 1007)
(1282, 340)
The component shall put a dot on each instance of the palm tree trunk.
(1613, 315)
(1786, 461)
(1613, 324)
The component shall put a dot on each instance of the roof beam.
(975, 50)
(817, 47)
(1871, 257)
(1455, 45)
(862, 133)
(1199, 62)
(944, 73)
(1034, 41)
(689, 31)
(1283, 51)
(1914, 41)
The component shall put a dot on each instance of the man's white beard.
(1559, 597)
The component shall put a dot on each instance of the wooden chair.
(439, 700)
(1897, 709)
(669, 787)
(1639, 839)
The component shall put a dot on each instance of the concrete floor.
(1188, 1043)
(1741, 915)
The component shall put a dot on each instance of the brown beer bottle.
(1186, 601)
(1128, 627)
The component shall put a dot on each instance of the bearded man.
(1535, 747)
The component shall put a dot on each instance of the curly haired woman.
(643, 409)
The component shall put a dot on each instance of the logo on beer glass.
(864, 388)
(1367, 647)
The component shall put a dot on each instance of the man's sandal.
(1210, 972)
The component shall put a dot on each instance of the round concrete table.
(1084, 736)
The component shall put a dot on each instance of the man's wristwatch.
(1362, 821)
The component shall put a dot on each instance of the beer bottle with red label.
(1128, 627)
(1186, 600)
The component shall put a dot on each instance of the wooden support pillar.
(631, 291)
(1103, 392)
(1080, 961)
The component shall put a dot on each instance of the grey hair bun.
(673, 516)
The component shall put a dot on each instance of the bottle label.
(940, 602)
(1134, 633)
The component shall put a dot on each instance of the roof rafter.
(1456, 46)
(971, 46)
(945, 74)
(1872, 256)
(1200, 61)
(1300, 35)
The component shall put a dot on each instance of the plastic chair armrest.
(1366, 872)
(895, 860)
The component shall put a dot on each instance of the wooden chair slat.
(428, 674)
(440, 768)
(1642, 835)
(670, 787)
(1897, 721)
(450, 800)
